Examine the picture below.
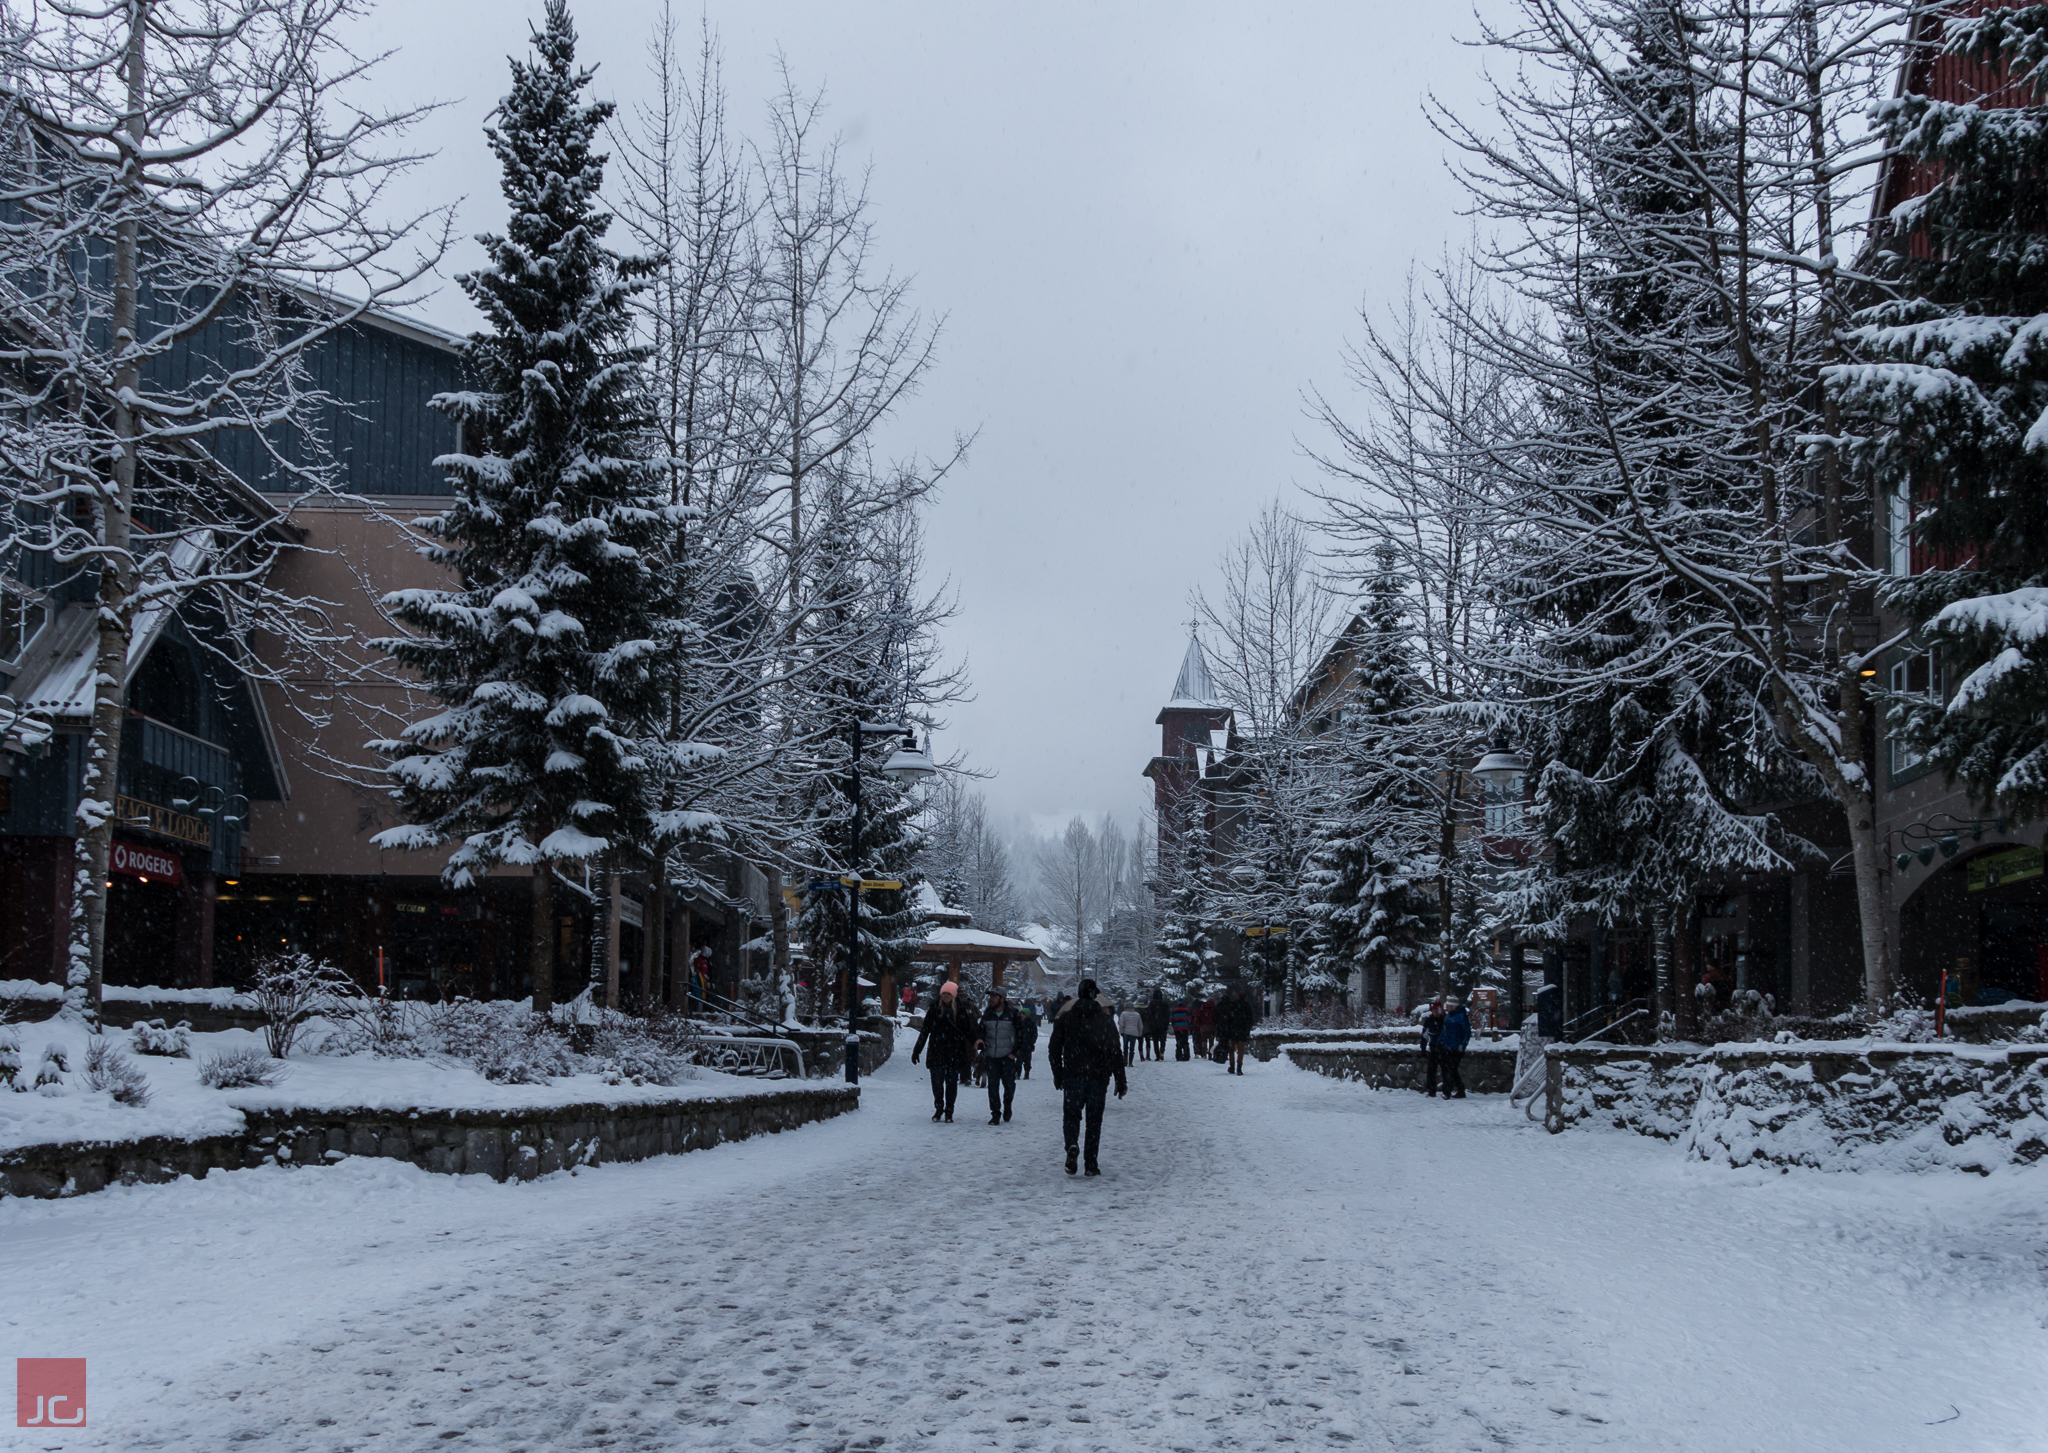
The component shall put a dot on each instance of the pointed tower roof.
(1193, 687)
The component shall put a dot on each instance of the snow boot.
(937, 1115)
(1006, 1117)
(949, 1117)
(1073, 1159)
(995, 1119)
(1094, 1169)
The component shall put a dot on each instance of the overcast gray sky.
(1149, 226)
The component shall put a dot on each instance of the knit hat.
(949, 987)
(1088, 989)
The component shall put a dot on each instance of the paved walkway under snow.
(1277, 1260)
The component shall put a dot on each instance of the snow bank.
(181, 1108)
(1907, 1107)
(35, 989)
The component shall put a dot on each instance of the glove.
(913, 1056)
(1056, 1082)
(1120, 1087)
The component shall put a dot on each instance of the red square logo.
(49, 1392)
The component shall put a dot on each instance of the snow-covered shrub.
(50, 1073)
(392, 1028)
(507, 1043)
(10, 1059)
(239, 1069)
(624, 1052)
(289, 989)
(149, 1036)
(107, 1068)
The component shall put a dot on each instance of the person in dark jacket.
(1182, 1022)
(1028, 1019)
(1205, 1027)
(1156, 1015)
(999, 1040)
(1451, 1041)
(1432, 1045)
(1084, 1055)
(1234, 1020)
(949, 1031)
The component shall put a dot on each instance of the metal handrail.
(1616, 1012)
(1637, 1013)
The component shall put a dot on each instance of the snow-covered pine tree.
(1370, 914)
(1187, 917)
(891, 848)
(1950, 406)
(546, 655)
(1648, 758)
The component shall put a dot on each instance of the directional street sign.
(869, 883)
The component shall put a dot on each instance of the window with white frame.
(1898, 530)
(1917, 674)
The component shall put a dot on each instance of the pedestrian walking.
(949, 1033)
(1182, 1022)
(1205, 1027)
(1234, 1019)
(1028, 1020)
(1156, 1014)
(1451, 1041)
(1000, 1033)
(1432, 1044)
(1132, 1023)
(1083, 1057)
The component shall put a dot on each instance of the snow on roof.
(965, 938)
(931, 905)
(57, 680)
(1192, 688)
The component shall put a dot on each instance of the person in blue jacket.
(1451, 1042)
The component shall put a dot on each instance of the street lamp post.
(907, 765)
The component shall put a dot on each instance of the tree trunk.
(1866, 852)
(541, 940)
(778, 920)
(100, 781)
(654, 937)
(1684, 967)
(611, 941)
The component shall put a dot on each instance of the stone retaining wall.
(1824, 1106)
(502, 1144)
(1487, 1069)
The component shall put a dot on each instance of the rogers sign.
(141, 862)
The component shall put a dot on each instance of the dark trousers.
(1088, 1095)
(1002, 1085)
(1180, 1046)
(945, 1087)
(1454, 1083)
(1130, 1049)
(1432, 1067)
(1159, 1046)
(1025, 1058)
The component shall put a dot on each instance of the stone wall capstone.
(1487, 1069)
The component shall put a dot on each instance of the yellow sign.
(1278, 930)
(2015, 866)
(869, 883)
(134, 812)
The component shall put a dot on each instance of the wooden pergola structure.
(952, 948)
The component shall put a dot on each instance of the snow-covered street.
(1277, 1259)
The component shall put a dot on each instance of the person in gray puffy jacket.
(1000, 1042)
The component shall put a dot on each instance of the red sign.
(49, 1392)
(153, 864)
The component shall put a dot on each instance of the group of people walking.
(994, 1046)
(1446, 1030)
(1092, 1045)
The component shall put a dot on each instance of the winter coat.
(1456, 1032)
(1001, 1032)
(1027, 1039)
(1205, 1016)
(1084, 1045)
(1432, 1030)
(1155, 1016)
(1132, 1023)
(951, 1037)
(1234, 1019)
(1182, 1019)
